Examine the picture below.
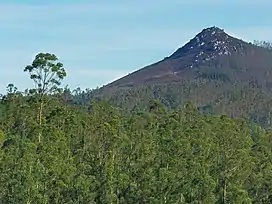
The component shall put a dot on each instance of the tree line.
(53, 151)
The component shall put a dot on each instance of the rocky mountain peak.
(210, 57)
(208, 44)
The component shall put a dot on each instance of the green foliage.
(99, 153)
(46, 72)
(108, 155)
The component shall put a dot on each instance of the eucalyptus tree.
(47, 73)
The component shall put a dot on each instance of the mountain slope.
(217, 72)
(211, 48)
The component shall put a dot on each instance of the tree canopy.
(100, 153)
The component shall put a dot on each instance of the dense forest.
(54, 150)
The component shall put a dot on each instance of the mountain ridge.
(231, 77)
(207, 45)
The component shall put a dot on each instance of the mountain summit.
(210, 42)
(212, 70)
(208, 45)
(211, 48)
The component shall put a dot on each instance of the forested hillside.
(53, 150)
(217, 72)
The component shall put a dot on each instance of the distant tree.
(47, 74)
(264, 44)
(11, 89)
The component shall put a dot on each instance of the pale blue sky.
(100, 41)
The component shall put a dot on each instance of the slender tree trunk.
(40, 120)
(110, 173)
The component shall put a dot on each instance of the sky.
(101, 41)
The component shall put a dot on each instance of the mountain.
(216, 71)
(212, 48)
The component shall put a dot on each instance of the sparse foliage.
(47, 74)
(264, 44)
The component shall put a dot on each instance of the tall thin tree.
(47, 73)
